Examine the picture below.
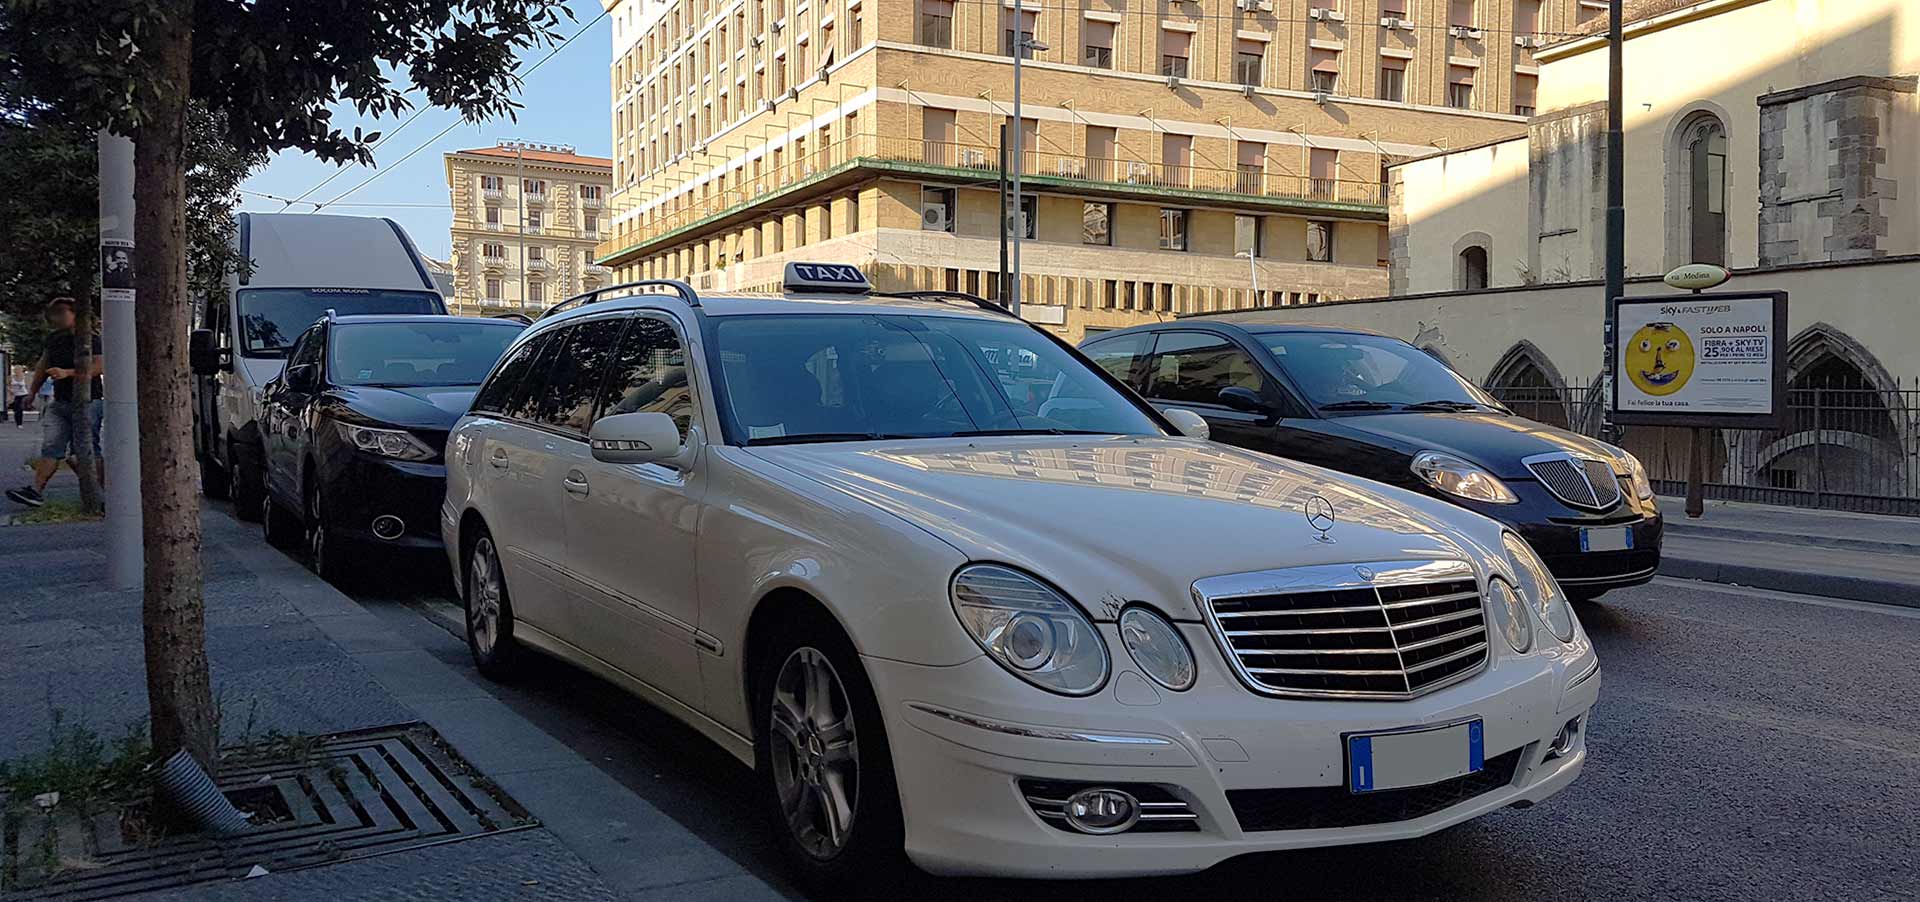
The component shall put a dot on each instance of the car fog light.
(1563, 741)
(388, 526)
(1102, 811)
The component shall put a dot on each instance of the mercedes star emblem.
(1320, 516)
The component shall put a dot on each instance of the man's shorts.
(57, 427)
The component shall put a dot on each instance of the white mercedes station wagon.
(952, 590)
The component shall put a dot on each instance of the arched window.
(1703, 159)
(1470, 274)
(1527, 382)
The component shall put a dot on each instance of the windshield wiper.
(1444, 405)
(1357, 405)
(979, 432)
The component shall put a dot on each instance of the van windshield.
(271, 318)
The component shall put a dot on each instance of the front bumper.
(1553, 529)
(357, 487)
(963, 738)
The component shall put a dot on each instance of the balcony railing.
(491, 195)
(1088, 172)
(589, 202)
(539, 266)
(535, 198)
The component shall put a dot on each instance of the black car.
(1377, 407)
(355, 426)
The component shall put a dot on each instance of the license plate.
(1610, 538)
(1416, 757)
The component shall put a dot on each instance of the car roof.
(751, 303)
(358, 318)
(1250, 328)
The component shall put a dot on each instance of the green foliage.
(273, 68)
(53, 512)
(89, 771)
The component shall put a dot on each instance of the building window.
(491, 183)
(1393, 80)
(493, 290)
(936, 23)
(1393, 8)
(1460, 87)
(591, 224)
(536, 292)
(936, 209)
(1248, 57)
(1320, 241)
(1176, 160)
(1018, 33)
(1173, 230)
(1250, 167)
(1246, 235)
(536, 254)
(1526, 17)
(1323, 70)
(590, 193)
(1323, 170)
(493, 216)
(1101, 142)
(492, 251)
(1460, 13)
(1096, 223)
(1590, 10)
(534, 221)
(1705, 143)
(1525, 88)
(1098, 51)
(1029, 216)
(1174, 47)
(535, 187)
(1472, 271)
(937, 132)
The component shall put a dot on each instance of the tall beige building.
(526, 219)
(1176, 153)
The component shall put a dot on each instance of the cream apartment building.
(526, 220)
(1176, 154)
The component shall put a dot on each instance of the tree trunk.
(80, 450)
(179, 694)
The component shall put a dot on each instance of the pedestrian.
(64, 424)
(17, 399)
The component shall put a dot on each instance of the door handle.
(498, 458)
(576, 483)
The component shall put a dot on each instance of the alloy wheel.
(816, 756)
(483, 599)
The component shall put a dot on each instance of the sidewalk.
(292, 654)
(1862, 557)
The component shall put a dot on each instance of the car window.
(1120, 355)
(1192, 368)
(573, 378)
(525, 395)
(493, 396)
(1354, 369)
(417, 353)
(840, 377)
(306, 348)
(649, 374)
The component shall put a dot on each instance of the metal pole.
(1018, 151)
(1004, 279)
(1253, 276)
(126, 555)
(1616, 210)
(1696, 473)
(520, 191)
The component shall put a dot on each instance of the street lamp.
(1253, 275)
(1021, 46)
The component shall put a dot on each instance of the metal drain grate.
(349, 796)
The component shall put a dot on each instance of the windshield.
(1345, 371)
(271, 318)
(839, 377)
(417, 354)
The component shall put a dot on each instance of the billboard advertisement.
(1704, 359)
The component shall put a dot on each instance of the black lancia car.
(356, 425)
(1375, 406)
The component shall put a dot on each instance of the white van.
(304, 264)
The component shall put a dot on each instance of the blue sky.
(566, 102)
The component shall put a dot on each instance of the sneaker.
(27, 496)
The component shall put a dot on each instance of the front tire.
(277, 524)
(1584, 596)
(826, 770)
(322, 544)
(213, 479)
(247, 485)
(490, 612)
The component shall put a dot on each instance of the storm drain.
(339, 798)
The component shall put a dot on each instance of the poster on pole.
(1712, 359)
(116, 268)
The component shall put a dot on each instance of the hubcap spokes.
(483, 604)
(816, 758)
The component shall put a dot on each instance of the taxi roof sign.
(826, 277)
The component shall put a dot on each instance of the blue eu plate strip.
(1476, 747)
(1360, 763)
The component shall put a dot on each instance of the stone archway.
(1527, 381)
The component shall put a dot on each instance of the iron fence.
(1847, 446)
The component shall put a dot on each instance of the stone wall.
(1827, 187)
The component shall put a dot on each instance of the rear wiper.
(1357, 405)
(1444, 405)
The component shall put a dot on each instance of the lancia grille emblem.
(1320, 516)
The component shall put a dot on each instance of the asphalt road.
(1748, 745)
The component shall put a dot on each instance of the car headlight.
(1454, 476)
(1539, 588)
(1642, 486)
(1030, 628)
(1157, 647)
(1510, 613)
(398, 444)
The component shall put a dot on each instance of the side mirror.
(202, 357)
(634, 438)
(1189, 423)
(303, 377)
(1244, 399)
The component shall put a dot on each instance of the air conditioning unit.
(1247, 5)
(973, 159)
(759, 39)
(1389, 22)
(934, 218)
(1526, 40)
(793, 93)
(1321, 97)
(766, 106)
(821, 73)
(1334, 15)
(1139, 173)
(1465, 31)
(1317, 13)
(1068, 169)
(1173, 81)
(778, 24)
(1246, 90)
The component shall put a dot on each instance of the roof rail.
(685, 291)
(930, 294)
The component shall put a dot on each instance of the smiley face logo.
(1659, 358)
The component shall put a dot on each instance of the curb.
(1829, 585)
(1697, 531)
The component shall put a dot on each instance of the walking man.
(63, 424)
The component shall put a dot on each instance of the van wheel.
(246, 486)
(213, 479)
(826, 771)
(490, 612)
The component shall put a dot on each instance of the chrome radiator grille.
(1386, 630)
(1579, 481)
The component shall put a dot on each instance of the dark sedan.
(1378, 407)
(356, 425)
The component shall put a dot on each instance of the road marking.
(1865, 607)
